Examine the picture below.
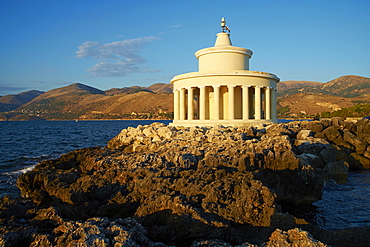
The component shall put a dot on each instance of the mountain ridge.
(11, 101)
(79, 101)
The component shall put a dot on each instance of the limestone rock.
(331, 134)
(303, 134)
(184, 185)
(97, 232)
(360, 145)
(308, 159)
(337, 170)
(328, 155)
(358, 161)
(315, 126)
(293, 237)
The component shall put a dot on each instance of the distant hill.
(312, 98)
(348, 86)
(73, 89)
(79, 101)
(128, 90)
(287, 85)
(155, 88)
(161, 88)
(11, 102)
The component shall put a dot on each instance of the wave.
(20, 171)
(23, 164)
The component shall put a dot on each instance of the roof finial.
(223, 25)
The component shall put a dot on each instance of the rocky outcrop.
(293, 237)
(184, 185)
(96, 232)
(351, 141)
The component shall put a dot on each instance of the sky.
(108, 44)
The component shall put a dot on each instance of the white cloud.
(123, 56)
(119, 69)
(175, 26)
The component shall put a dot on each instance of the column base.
(226, 123)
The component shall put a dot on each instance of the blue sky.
(107, 44)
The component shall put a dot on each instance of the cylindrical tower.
(224, 91)
(223, 56)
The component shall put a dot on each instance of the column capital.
(259, 87)
(189, 88)
(216, 86)
(246, 86)
(231, 85)
(201, 86)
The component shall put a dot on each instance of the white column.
(176, 113)
(231, 101)
(216, 95)
(273, 105)
(182, 104)
(268, 103)
(190, 104)
(258, 105)
(245, 103)
(202, 103)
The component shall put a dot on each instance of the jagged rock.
(367, 152)
(315, 126)
(360, 145)
(184, 184)
(328, 155)
(313, 146)
(332, 134)
(337, 170)
(291, 238)
(363, 130)
(358, 161)
(219, 243)
(203, 178)
(308, 159)
(97, 232)
(303, 134)
(337, 122)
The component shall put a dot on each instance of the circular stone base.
(226, 123)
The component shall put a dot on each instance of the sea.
(25, 143)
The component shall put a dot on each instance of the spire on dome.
(223, 25)
(223, 39)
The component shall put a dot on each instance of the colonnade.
(225, 102)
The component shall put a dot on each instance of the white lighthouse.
(224, 91)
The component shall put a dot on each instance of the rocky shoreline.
(161, 185)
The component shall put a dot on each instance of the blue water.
(345, 205)
(25, 143)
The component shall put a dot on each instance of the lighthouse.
(224, 91)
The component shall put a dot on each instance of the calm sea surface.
(25, 143)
